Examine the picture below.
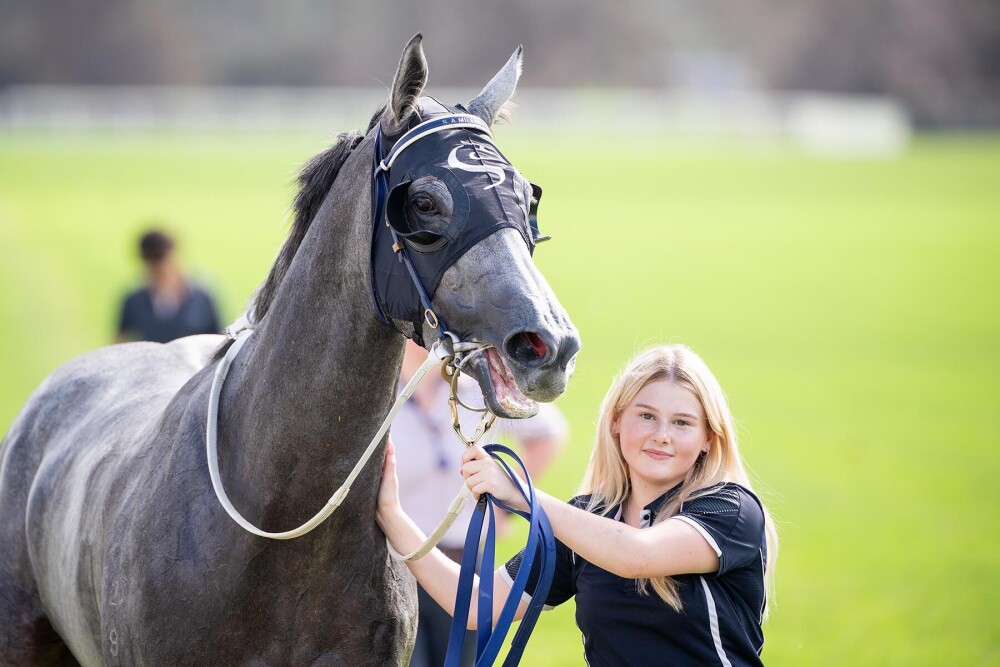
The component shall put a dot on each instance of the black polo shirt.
(721, 619)
(196, 314)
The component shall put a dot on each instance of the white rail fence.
(823, 124)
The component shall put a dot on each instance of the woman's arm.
(666, 549)
(437, 573)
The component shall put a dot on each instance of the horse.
(116, 550)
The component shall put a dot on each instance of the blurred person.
(169, 306)
(429, 455)
(667, 549)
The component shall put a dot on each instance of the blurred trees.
(940, 57)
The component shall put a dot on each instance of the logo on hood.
(483, 153)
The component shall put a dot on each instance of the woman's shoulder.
(726, 499)
(731, 519)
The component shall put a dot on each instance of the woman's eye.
(424, 204)
(646, 415)
(681, 422)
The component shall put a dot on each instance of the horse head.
(464, 218)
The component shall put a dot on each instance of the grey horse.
(115, 550)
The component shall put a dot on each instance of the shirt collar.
(648, 515)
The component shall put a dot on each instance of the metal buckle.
(450, 373)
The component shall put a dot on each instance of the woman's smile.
(657, 455)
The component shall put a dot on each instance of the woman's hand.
(484, 475)
(388, 493)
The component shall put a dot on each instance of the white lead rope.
(464, 351)
(436, 356)
(456, 507)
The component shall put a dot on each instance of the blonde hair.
(606, 478)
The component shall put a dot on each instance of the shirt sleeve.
(563, 582)
(563, 586)
(732, 522)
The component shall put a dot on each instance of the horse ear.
(494, 99)
(411, 77)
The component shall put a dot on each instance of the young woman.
(667, 549)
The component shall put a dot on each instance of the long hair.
(606, 478)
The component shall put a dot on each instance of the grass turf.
(848, 308)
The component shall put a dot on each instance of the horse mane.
(315, 180)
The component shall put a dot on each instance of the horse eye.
(424, 204)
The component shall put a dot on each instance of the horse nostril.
(537, 344)
(567, 351)
(527, 347)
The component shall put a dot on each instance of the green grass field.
(848, 307)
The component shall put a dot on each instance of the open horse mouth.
(502, 395)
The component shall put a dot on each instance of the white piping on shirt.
(713, 622)
(704, 533)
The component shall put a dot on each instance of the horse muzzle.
(529, 366)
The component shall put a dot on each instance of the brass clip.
(485, 421)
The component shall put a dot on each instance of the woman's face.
(661, 432)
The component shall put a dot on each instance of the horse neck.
(319, 376)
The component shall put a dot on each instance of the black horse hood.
(487, 192)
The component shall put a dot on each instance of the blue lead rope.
(541, 544)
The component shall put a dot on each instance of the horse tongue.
(508, 394)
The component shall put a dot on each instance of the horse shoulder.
(72, 454)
